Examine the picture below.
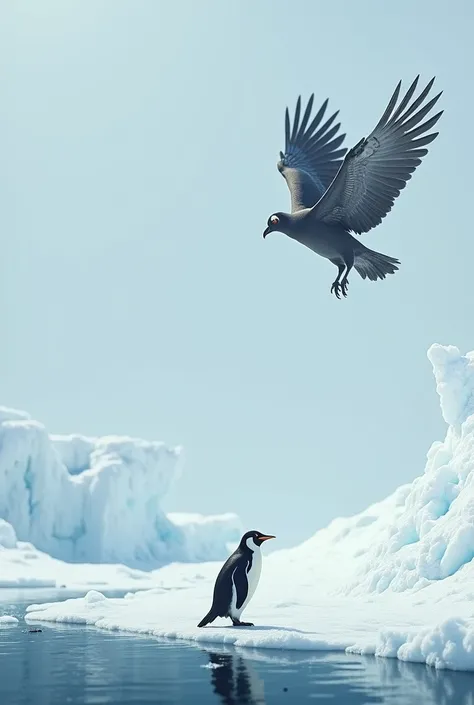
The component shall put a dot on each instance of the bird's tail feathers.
(374, 265)
(210, 617)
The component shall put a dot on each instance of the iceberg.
(98, 500)
(395, 580)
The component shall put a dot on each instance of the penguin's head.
(254, 539)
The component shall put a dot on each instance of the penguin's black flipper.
(222, 592)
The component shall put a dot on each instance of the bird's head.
(278, 222)
(253, 539)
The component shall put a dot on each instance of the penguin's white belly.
(253, 576)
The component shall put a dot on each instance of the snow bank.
(395, 580)
(98, 499)
(450, 644)
(23, 566)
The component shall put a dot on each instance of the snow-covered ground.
(23, 566)
(98, 500)
(396, 580)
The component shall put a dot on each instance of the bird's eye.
(274, 220)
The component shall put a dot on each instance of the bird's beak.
(265, 233)
(266, 538)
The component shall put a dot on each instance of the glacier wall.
(433, 537)
(423, 533)
(99, 500)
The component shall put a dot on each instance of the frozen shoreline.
(395, 580)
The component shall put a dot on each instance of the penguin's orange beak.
(266, 538)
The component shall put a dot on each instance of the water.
(79, 665)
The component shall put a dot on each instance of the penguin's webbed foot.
(238, 623)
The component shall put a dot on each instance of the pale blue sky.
(138, 295)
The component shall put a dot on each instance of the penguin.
(237, 580)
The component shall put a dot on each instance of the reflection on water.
(253, 677)
(235, 680)
(76, 665)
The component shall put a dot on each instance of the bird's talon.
(339, 288)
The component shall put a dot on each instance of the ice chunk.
(7, 620)
(7, 535)
(454, 374)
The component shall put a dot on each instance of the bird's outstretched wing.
(312, 156)
(378, 167)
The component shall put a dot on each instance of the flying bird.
(237, 580)
(333, 197)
